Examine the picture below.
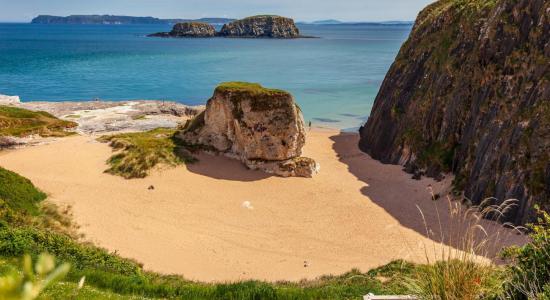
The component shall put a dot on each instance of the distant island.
(119, 20)
(264, 26)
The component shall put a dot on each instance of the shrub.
(530, 264)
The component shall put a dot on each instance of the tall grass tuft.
(460, 258)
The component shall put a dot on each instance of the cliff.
(189, 29)
(264, 128)
(261, 26)
(469, 93)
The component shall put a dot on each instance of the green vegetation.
(21, 122)
(456, 279)
(30, 283)
(139, 117)
(18, 193)
(195, 124)
(530, 265)
(249, 88)
(140, 152)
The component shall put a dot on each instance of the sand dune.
(357, 213)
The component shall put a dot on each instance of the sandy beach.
(356, 213)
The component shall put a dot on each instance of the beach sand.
(356, 213)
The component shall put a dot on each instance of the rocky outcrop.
(262, 127)
(189, 29)
(9, 100)
(469, 93)
(261, 27)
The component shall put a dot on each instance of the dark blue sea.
(334, 78)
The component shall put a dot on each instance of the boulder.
(189, 29)
(262, 127)
(261, 27)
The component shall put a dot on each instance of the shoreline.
(196, 221)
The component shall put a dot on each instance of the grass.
(18, 193)
(455, 270)
(138, 153)
(249, 88)
(21, 122)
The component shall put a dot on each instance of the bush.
(529, 267)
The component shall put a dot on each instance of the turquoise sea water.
(334, 78)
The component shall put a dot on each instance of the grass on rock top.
(21, 122)
(140, 152)
(249, 88)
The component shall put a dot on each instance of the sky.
(300, 10)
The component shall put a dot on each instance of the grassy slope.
(20, 122)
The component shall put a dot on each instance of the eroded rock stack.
(189, 29)
(252, 27)
(262, 127)
(469, 93)
(261, 26)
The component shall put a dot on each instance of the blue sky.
(301, 10)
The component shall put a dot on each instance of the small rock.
(151, 187)
(247, 205)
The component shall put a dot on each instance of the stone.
(189, 29)
(469, 94)
(261, 27)
(9, 100)
(264, 128)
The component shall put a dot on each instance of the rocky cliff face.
(189, 29)
(469, 93)
(262, 127)
(261, 26)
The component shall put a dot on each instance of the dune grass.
(139, 152)
(21, 122)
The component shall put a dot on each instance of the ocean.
(334, 78)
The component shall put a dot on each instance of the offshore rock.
(262, 27)
(469, 93)
(189, 29)
(262, 127)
